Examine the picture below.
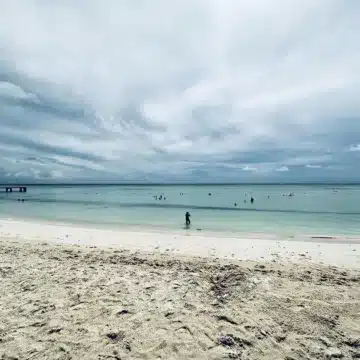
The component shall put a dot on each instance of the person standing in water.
(187, 219)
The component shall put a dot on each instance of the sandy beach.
(70, 292)
(341, 251)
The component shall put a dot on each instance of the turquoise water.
(313, 209)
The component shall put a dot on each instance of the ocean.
(279, 210)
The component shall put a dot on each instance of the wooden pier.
(13, 189)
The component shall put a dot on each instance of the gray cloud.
(181, 91)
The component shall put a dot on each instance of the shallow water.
(313, 209)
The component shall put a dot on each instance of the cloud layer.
(189, 90)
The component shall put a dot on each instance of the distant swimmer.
(187, 219)
(252, 200)
(235, 204)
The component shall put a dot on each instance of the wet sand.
(339, 251)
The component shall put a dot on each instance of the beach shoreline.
(192, 230)
(338, 251)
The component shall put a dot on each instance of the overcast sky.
(181, 90)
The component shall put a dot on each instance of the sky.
(179, 91)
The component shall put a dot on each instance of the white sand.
(66, 295)
(339, 251)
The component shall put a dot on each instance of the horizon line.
(180, 183)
